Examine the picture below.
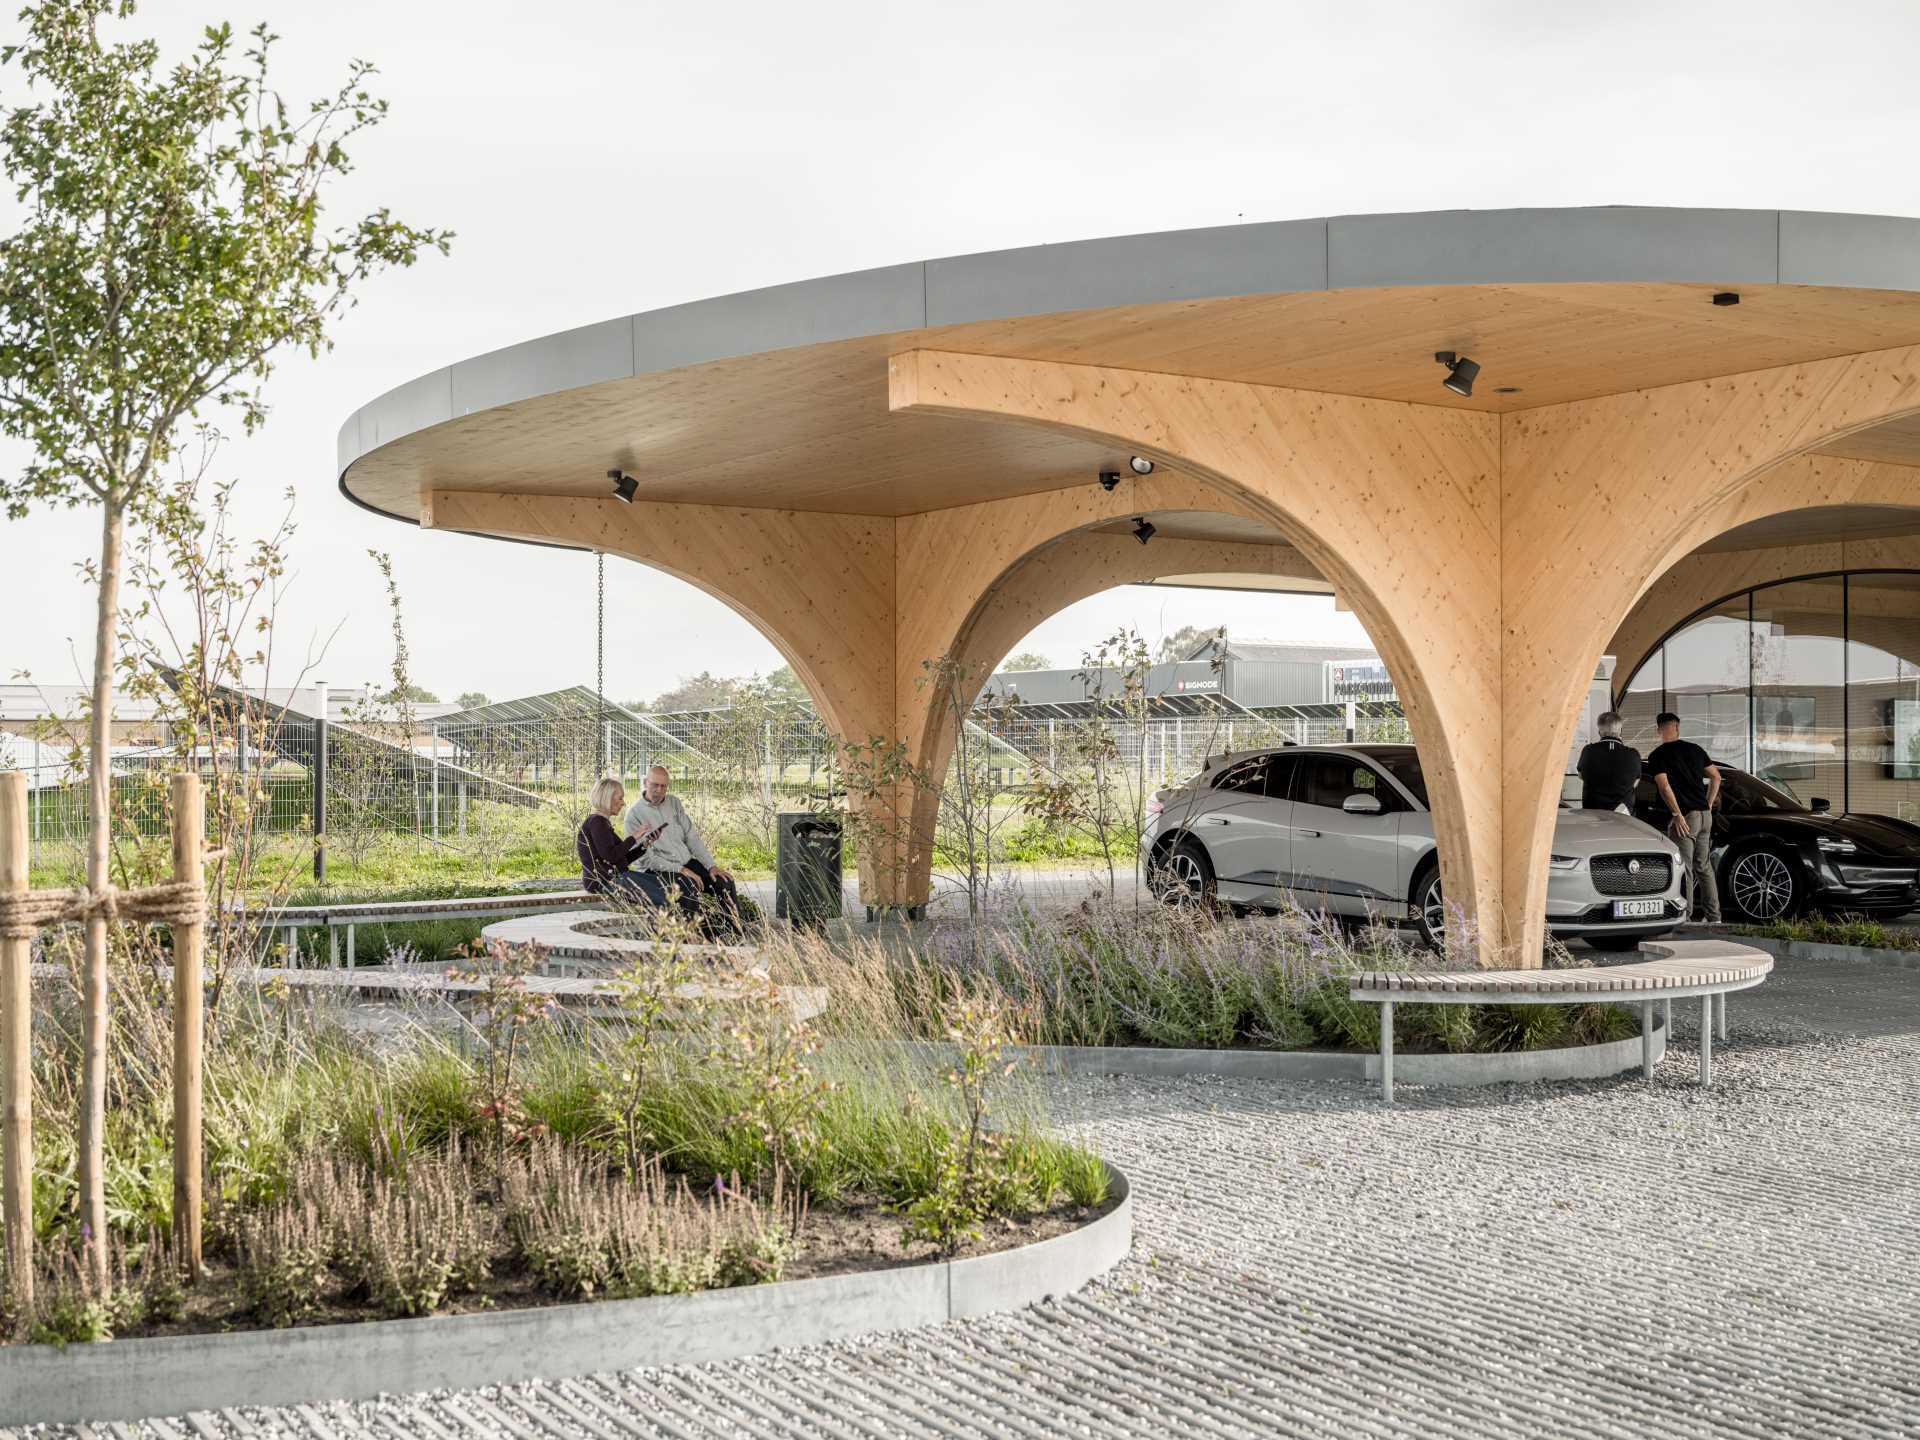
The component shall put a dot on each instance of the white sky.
(598, 159)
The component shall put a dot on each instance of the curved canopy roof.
(778, 397)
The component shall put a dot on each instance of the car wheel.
(1761, 885)
(1614, 942)
(1430, 911)
(1186, 875)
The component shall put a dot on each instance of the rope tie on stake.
(176, 902)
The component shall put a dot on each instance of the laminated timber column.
(819, 586)
(1395, 504)
(1601, 497)
(974, 579)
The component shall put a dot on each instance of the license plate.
(1638, 909)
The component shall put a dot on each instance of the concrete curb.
(138, 1379)
(1576, 1062)
(1817, 950)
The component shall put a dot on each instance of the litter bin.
(806, 868)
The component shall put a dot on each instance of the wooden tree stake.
(188, 994)
(16, 1048)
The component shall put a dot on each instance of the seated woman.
(606, 858)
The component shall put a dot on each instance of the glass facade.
(1812, 683)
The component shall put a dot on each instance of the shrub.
(284, 1256)
(417, 1240)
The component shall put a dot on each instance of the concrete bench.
(1709, 969)
(336, 918)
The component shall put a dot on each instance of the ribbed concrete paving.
(1601, 1259)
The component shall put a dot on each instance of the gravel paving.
(1579, 1259)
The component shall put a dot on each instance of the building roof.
(778, 397)
(1258, 649)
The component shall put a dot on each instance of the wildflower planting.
(1160, 976)
(413, 1158)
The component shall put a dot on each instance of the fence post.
(16, 1042)
(436, 778)
(1350, 722)
(189, 989)
(320, 802)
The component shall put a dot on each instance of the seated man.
(677, 850)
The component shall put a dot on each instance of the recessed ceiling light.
(1141, 465)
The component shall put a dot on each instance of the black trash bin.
(806, 868)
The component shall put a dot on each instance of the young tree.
(471, 699)
(173, 241)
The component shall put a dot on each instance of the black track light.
(624, 485)
(1141, 465)
(1109, 479)
(1142, 529)
(1460, 371)
(1727, 297)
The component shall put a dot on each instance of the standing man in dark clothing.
(1689, 783)
(1609, 769)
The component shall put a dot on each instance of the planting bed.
(852, 1275)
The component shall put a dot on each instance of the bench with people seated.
(1675, 969)
(660, 861)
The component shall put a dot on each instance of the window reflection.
(1811, 684)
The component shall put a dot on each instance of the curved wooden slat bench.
(1710, 969)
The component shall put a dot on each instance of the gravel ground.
(1594, 1259)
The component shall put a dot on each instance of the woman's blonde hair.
(601, 796)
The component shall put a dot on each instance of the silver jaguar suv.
(1346, 829)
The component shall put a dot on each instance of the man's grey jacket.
(678, 843)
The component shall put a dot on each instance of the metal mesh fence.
(471, 793)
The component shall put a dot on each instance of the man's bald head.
(656, 787)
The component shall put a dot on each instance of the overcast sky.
(598, 159)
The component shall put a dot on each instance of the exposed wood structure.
(883, 469)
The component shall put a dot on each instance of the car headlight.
(1563, 862)
(1835, 846)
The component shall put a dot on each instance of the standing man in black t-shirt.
(1689, 783)
(1609, 768)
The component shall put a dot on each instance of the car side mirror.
(1361, 804)
(1820, 805)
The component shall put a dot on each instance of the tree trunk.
(93, 1072)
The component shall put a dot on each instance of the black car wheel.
(1761, 885)
(1430, 911)
(1184, 875)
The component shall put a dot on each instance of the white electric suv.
(1346, 829)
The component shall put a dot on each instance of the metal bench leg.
(1386, 1051)
(1720, 1017)
(1706, 1039)
(1666, 1019)
(1646, 1039)
(350, 950)
(333, 948)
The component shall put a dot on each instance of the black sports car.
(1774, 856)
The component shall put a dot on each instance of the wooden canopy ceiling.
(807, 428)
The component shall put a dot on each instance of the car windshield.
(1404, 766)
(1744, 794)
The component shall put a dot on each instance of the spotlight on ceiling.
(1460, 371)
(624, 485)
(1141, 465)
(1142, 529)
(1109, 479)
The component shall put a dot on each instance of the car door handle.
(1215, 820)
(1310, 834)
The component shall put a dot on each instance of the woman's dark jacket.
(603, 853)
